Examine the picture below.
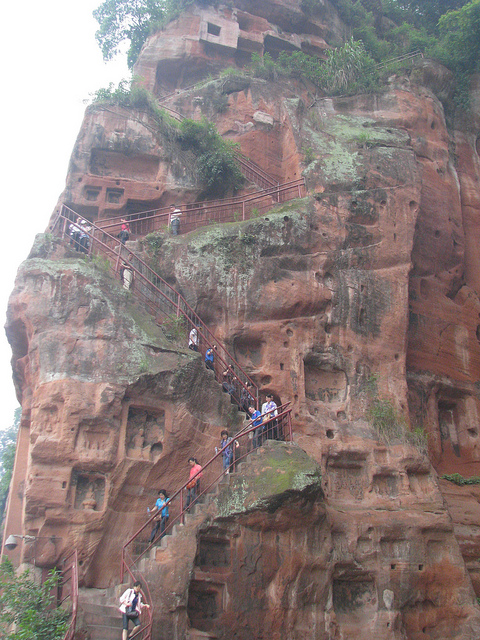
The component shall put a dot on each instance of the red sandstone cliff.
(375, 273)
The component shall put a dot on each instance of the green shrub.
(264, 66)
(390, 426)
(27, 610)
(459, 480)
(217, 165)
(153, 243)
(346, 69)
(308, 155)
(174, 328)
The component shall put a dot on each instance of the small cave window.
(91, 193)
(114, 195)
(242, 23)
(213, 29)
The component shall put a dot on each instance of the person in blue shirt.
(161, 506)
(209, 358)
(227, 454)
(256, 422)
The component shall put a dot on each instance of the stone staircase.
(100, 618)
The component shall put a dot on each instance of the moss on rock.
(268, 479)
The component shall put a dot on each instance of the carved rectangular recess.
(205, 604)
(386, 485)
(114, 196)
(354, 595)
(91, 193)
(89, 488)
(213, 553)
(324, 383)
(117, 164)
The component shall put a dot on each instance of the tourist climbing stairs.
(202, 214)
(160, 299)
(99, 616)
(248, 441)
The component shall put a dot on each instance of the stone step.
(105, 632)
(101, 615)
(93, 596)
(197, 634)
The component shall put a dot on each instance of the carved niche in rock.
(145, 433)
(89, 491)
(324, 380)
(457, 423)
(248, 351)
(94, 439)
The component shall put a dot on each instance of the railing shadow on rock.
(279, 426)
(163, 302)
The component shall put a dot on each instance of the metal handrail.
(202, 214)
(160, 297)
(404, 56)
(69, 582)
(253, 166)
(282, 421)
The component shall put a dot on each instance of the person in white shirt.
(131, 606)
(175, 220)
(269, 410)
(193, 339)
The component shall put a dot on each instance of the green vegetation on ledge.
(215, 164)
(390, 426)
(446, 30)
(459, 480)
(268, 480)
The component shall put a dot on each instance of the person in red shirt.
(193, 485)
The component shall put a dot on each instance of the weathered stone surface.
(373, 278)
(275, 556)
(105, 396)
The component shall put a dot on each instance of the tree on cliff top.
(133, 21)
(121, 20)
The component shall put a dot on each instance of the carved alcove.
(145, 433)
(213, 553)
(205, 604)
(248, 351)
(354, 596)
(89, 490)
(324, 380)
(96, 439)
(458, 423)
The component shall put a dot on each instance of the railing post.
(122, 571)
(182, 520)
(290, 434)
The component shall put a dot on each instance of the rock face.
(358, 299)
(104, 398)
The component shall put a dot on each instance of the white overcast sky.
(51, 63)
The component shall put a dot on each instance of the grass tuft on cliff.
(390, 425)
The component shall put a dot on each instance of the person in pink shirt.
(193, 485)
